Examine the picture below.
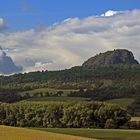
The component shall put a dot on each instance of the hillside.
(80, 85)
(114, 65)
(111, 58)
(104, 82)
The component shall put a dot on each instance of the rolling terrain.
(102, 93)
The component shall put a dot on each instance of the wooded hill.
(108, 80)
(116, 75)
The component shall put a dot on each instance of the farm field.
(12, 133)
(123, 102)
(100, 134)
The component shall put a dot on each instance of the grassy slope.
(11, 133)
(123, 102)
(64, 99)
(102, 134)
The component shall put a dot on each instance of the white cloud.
(74, 40)
(39, 66)
(111, 13)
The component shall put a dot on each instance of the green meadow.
(101, 134)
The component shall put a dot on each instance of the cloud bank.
(74, 40)
(7, 65)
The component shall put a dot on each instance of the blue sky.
(24, 14)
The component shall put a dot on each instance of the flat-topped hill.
(119, 56)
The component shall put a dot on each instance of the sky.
(24, 14)
(59, 34)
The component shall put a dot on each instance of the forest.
(99, 84)
(122, 73)
(66, 115)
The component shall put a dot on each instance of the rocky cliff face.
(118, 56)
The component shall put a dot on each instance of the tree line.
(107, 93)
(66, 115)
(80, 76)
(134, 108)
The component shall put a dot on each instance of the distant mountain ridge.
(118, 56)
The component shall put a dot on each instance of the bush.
(110, 124)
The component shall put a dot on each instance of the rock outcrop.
(119, 56)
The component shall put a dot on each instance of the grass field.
(123, 102)
(63, 99)
(101, 134)
(12, 133)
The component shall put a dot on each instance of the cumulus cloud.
(7, 65)
(38, 66)
(111, 13)
(74, 40)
